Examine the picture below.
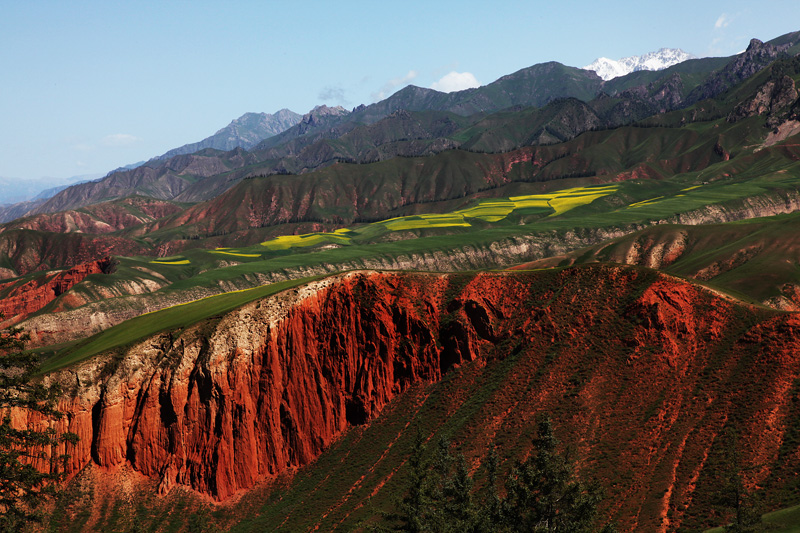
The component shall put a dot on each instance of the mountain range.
(324, 137)
(609, 69)
(302, 147)
(245, 132)
(271, 327)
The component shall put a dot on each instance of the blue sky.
(90, 86)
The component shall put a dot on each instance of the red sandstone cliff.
(21, 300)
(645, 370)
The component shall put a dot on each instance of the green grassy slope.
(772, 173)
(782, 521)
(758, 258)
(474, 233)
(172, 318)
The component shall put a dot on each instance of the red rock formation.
(643, 369)
(20, 301)
(28, 251)
(99, 218)
(264, 397)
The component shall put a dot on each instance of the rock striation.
(633, 361)
(757, 56)
(266, 391)
(772, 97)
(21, 300)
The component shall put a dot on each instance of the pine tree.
(544, 494)
(459, 510)
(414, 508)
(490, 511)
(22, 487)
(438, 474)
(733, 497)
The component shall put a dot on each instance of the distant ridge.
(127, 167)
(14, 190)
(665, 57)
(538, 105)
(243, 132)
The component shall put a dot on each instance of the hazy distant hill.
(245, 132)
(13, 190)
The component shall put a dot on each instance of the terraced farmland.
(490, 211)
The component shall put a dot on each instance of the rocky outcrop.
(21, 300)
(775, 95)
(755, 206)
(318, 114)
(661, 95)
(721, 151)
(264, 390)
(25, 251)
(627, 357)
(757, 56)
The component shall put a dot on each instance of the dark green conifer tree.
(413, 515)
(545, 496)
(459, 510)
(490, 509)
(733, 498)
(23, 488)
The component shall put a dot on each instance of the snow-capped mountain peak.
(661, 59)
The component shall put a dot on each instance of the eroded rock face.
(773, 96)
(265, 389)
(757, 56)
(21, 301)
(28, 251)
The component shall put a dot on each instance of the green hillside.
(621, 256)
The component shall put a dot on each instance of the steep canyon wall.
(644, 370)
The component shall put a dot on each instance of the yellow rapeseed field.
(179, 262)
(492, 210)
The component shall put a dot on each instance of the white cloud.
(405, 79)
(333, 94)
(455, 81)
(721, 43)
(389, 86)
(119, 139)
